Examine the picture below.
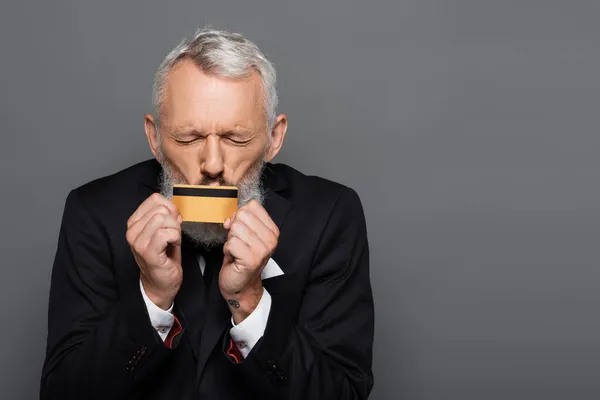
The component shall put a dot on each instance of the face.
(213, 131)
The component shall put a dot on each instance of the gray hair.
(224, 54)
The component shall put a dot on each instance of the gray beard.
(210, 234)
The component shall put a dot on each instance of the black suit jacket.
(319, 335)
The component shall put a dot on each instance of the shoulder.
(325, 216)
(315, 191)
(123, 182)
(119, 193)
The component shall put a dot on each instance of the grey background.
(469, 128)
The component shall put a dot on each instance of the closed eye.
(188, 140)
(239, 142)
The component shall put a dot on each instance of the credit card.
(199, 203)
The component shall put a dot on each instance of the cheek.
(184, 159)
(239, 161)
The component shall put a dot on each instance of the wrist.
(244, 303)
(162, 301)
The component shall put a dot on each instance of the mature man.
(275, 303)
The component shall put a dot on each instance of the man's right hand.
(154, 235)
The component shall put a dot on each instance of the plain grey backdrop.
(468, 127)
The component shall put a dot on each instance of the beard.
(212, 234)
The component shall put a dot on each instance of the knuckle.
(129, 237)
(271, 244)
(264, 253)
(236, 225)
(158, 218)
(141, 250)
(242, 214)
(169, 206)
(269, 247)
(162, 209)
(133, 217)
(156, 197)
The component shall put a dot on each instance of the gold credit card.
(199, 203)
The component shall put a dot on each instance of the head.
(215, 119)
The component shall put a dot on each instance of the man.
(275, 303)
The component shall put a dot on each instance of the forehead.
(193, 97)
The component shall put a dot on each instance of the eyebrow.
(191, 131)
(243, 132)
(186, 131)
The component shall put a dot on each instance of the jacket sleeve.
(325, 352)
(100, 342)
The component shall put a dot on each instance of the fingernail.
(179, 219)
(226, 223)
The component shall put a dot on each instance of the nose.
(211, 164)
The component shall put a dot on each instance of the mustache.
(175, 178)
(219, 180)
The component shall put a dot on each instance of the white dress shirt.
(245, 334)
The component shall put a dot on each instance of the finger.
(156, 222)
(257, 227)
(235, 249)
(243, 232)
(228, 221)
(148, 204)
(136, 228)
(259, 211)
(160, 241)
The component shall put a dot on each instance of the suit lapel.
(276, 205)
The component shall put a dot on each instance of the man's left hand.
(252, 239)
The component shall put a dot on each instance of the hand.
(252, 239)
(154, 236)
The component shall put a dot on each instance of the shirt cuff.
(160, 319)
(248, 332)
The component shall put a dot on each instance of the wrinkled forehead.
(208, 101)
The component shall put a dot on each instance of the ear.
(152, 135)
(277, 137)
